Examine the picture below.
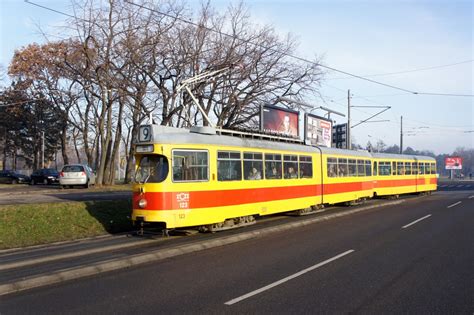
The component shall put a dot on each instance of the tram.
(216, 179)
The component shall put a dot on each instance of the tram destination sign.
(453, 163)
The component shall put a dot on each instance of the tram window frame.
(273, 161)
(368, 168)
(253, 160)
(361, 168)
(331, 164)
(290, 161)
(306, 166)
(190, 167)
(342, 167)
(400, 168)
(229, 162)
(408, 168)
(352, 167)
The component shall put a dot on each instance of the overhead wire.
(410, 71)
(268, 48)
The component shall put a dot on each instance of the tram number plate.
(181, 200)
(144, 134)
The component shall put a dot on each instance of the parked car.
(45, 176)
(12, 177)
(76, 175)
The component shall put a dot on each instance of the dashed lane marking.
(416, 221)
(454, 204)
(274, 284)
(470, 197)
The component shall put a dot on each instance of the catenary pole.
(348, 140)
(401, 134)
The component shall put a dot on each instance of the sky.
(371, 37)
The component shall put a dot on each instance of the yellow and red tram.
(201, 178)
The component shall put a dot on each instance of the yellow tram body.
(187, 179)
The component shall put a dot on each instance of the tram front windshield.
(152, 168)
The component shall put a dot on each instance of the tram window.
(414, 168)
(384, 169)
(427, 168)
(290, 166)
(306, 167)
(253, 165)
(400, 168)
(190, 166)
(352, 167)
(332, 167)
(394, 168)
(433, 168)
(229, 166)
(375, 169)
(342, 168)
(152, 168)
(273, 166)
(421, 168)
(368, 168)
(360, 168)
(407, 168)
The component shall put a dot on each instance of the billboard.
(453, 163)
(279, 120)
(318, 130)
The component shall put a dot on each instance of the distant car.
(76, 175)
(45, 176)
(12, 177)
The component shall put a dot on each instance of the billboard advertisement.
(318, 130)
(453, 163)
(279, 120)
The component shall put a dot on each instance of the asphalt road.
(416, 257)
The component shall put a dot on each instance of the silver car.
(76, 175)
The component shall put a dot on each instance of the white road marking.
(454, 204)
(443, 186)
(459, 186)
(274, 284)
(416, 221)
(470, 197)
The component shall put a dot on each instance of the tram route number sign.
(181, 200)
(453, 163)
(145, 133)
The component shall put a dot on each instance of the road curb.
(160, 254)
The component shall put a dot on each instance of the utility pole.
(348, 133)
(401, 134)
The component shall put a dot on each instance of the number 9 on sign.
(145, 134)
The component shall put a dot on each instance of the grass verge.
(33, 224)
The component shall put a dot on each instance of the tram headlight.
(142, 203)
